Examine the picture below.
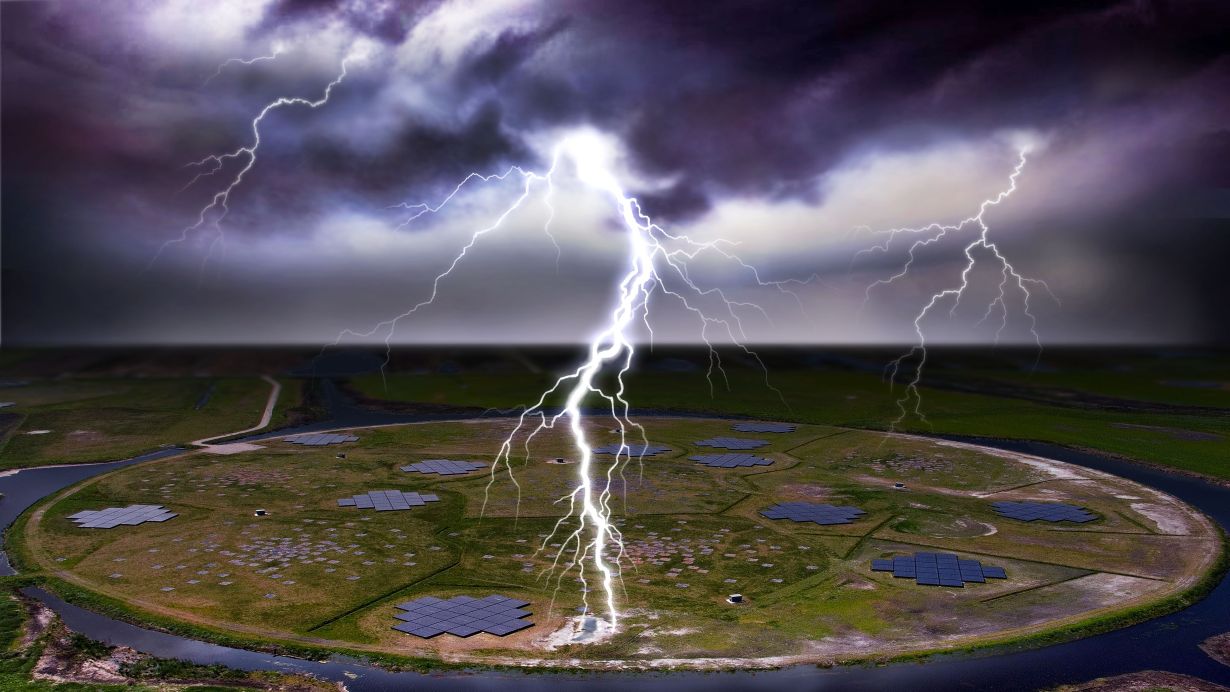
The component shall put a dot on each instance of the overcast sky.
(799, 132)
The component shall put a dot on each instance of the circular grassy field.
(313, 572)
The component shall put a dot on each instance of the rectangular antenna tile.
(938, 569)
(730, 460)
(111, 517)
(737, 443)
(634, 449)
(761, 427)
(387, 500)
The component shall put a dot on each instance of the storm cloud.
(782, 126)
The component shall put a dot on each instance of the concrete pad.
(232, 448)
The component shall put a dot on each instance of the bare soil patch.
(1218, 648)
(1146, 681)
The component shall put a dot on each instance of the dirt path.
(275, 390)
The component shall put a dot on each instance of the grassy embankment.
(1194, 443)
(103, 419)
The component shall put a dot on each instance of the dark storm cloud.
(680, 201)
(719, 99)
(416, 155)
(756, 98)
(762, 97)
(510, 49)
(732, 97)
(386, 21)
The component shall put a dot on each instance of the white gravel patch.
(1166, 519)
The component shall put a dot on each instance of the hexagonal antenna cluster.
(131, 515)
(731, 443)
(462, 616)
(1045, 511)
(444, 467)
(387, 500)
(938, 569)
(730, 461)
(320, 439)
(825, 515)
(635, 449)
(763, 427)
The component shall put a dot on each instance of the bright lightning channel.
(1011, 280)
(653, 255)
(278, 49)
(210, 217)
(652, 251)
(591, 540)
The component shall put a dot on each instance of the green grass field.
(95, 417)
(72, 652)
(1200, 380)
(114, 418)
(311, 571)
(1197, 443)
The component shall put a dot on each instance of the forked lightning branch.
(656, 266)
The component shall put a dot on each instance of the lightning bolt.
(210, 217)
(1011, 280)
(656, 263)
(278, 49)
(595, 534)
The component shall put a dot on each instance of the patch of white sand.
(232, 448)
(1166, 519)
(1054, 469)
(581, 629)
(679, 632)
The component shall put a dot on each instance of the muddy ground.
(67, 658)
(1146, 681)
(1218, 648)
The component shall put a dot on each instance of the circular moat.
(311, 572)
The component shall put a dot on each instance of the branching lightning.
(591, 541)
(1011, 280)
(209, 219)
(278, 49)
(657, 264)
